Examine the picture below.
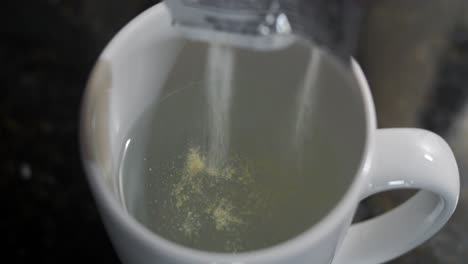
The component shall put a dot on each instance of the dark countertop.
(47, 49)
(46, 52)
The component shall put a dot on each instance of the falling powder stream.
(219, 74)
(306, 97)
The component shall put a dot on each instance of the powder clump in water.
(223, 215)
(195, 162)
(208, 198)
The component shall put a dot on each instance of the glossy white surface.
(126, 81)
(404, 158)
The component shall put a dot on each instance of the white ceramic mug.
(127, 78)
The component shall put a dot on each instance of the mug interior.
(133, 75)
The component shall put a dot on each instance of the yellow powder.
(195, 162)
(191, 225)
(223, 216)
(190, 196)
(228, 173)
(212, 171)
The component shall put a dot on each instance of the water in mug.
(228, 158)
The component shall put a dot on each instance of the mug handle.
(404, 158)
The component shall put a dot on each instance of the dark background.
(415, 55)
(47, 49)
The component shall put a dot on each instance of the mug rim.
(315, 233)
